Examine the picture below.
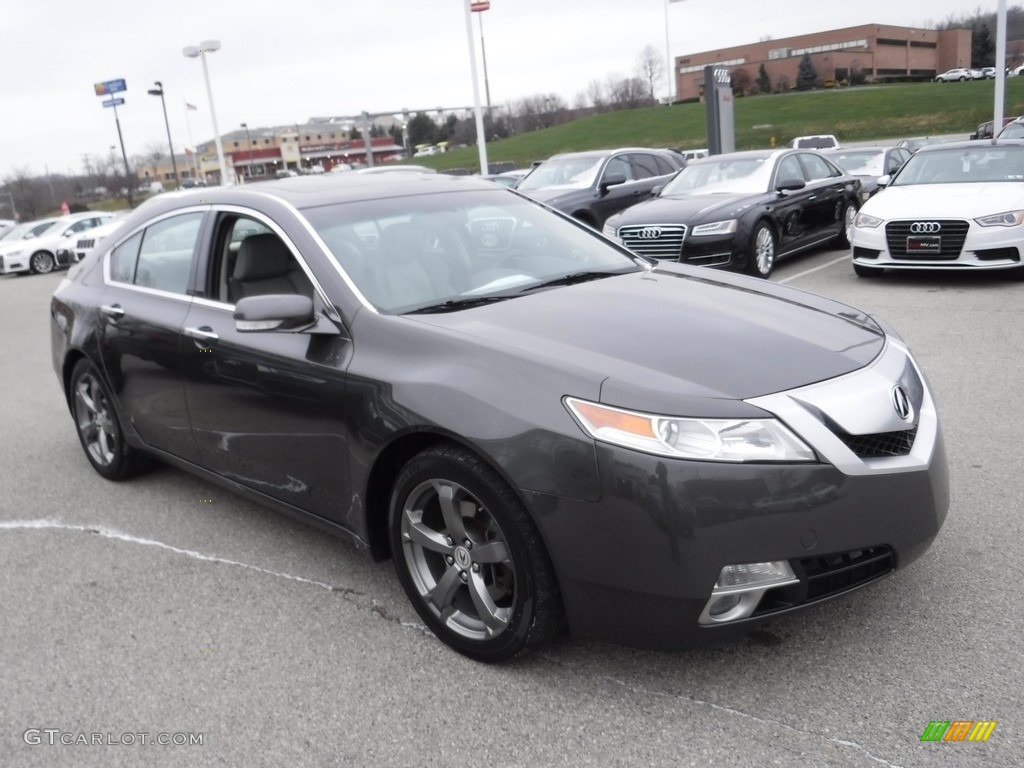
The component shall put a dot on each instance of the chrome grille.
(879, 444)
(952, 233)
(86, 243)
(659, 241)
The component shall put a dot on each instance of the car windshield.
(577, 172)
(1012, 131)
(454, 249)
(985, 163)
(721, 176)
(860, 163)
(28, 231)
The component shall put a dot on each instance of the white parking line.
(832, 263)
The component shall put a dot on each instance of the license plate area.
(924, 244)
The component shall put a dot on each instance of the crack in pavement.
(358, 599)
(350, 595)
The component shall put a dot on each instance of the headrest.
(262, 256)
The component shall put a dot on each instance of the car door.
(791, 208)
(145, 301)
(826, 201)
(267, 408)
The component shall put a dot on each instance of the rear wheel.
(469, 557)
(862, 271)
(42, 262)
(761, 258)
(98, 427)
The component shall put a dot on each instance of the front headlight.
(608, 231)
(864, 221)
(702, 439)
(726, 227)
(1007, 219)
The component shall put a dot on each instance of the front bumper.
(638, 566)
(983, 248)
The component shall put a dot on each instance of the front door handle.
(206, 333)
(112, 310)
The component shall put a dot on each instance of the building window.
(236, 145)
(890, 41)
(923, 44)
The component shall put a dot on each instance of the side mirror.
(274, 312)
(883, 181)
(611, 180)
(790, 185)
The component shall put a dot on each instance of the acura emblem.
(649, 233)
(925, 228)
(901, 403)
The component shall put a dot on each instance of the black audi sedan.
(591, 186)
(451, 375)
(743, 211)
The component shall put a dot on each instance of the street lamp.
(248, 141)
(159, 91)
(192, 52)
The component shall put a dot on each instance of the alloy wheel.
(95, 420)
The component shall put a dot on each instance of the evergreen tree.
(764, 83)
(806, 74)
(983, 48)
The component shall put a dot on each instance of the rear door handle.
(112, 310)
(205, 333)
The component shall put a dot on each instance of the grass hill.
(853, 114)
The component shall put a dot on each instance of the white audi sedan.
(956, 206)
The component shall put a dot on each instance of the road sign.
(110, 86)
(478, 7)
(113, 102)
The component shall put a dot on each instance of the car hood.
(677, 333)
(554, 195)
(683, 210)
(956, 201)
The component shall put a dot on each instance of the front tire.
(847, 217)
(42, 263)
(98, 427)
(761, 252)
(470, 558)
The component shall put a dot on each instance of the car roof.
(749, 154)
(606, 152)
(972, 144)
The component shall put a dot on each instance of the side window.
(817, 167)
(618, 166)
(664, 166)
(644, 166)
(165, 257)
(254, 261)
(896, 159)
(123, 259)
(789, 171)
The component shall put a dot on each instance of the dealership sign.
(109, 87)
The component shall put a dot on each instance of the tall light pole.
(248, 154)
(478, 9)
(191, 143)
(159, 91)
(481, 136)
(670, 73)
(192, 52)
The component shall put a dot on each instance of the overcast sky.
(282, 62)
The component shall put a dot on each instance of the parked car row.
(47, 244)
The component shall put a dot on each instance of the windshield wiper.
(576, 277)
(451, 305)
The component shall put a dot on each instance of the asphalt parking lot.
(167, 606)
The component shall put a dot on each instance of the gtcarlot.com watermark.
(55, 736)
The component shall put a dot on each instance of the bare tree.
(28, 192)
(742, 82)
(650, 67)
(597, 95)
(540, 111)
(628, 92)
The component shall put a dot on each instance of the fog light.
(753, 574)
(739, 589)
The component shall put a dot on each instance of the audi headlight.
(1007, 219)
(735, 440)
(608, 231)
(726, 227)
(864, 221)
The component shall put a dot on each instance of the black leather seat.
(265, 265)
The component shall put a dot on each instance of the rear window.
(816, 142)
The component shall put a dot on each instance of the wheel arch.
(385, 470)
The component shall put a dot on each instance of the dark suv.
(591, 186)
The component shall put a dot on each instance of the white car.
(821, 141)
(50, 246)
(954, 206)
(88, 240)
(951, 75)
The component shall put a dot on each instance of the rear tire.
(42, 263)
(99, 429)
(846, 218)
(863, 271)
(469, 557)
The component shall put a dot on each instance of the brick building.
(876, 52)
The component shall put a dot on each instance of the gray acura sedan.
(542, 429)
